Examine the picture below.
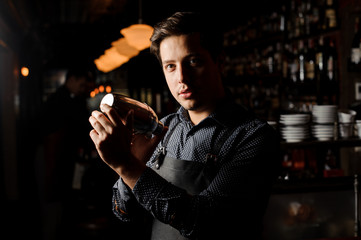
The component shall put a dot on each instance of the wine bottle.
(145, 119)
(331, 60)
(330, 14)
(294, 65)
(270, 59)
(320, 70)
(320, 57)
(356, 44)
(301, 61)
(310, 61)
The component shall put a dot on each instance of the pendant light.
(110, 60)
(123, 48)
(138, 35)
(136, 38)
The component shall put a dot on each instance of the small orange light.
(25, 71)
(101, 88)
(108, 89)
(96, 91)
(92, 94)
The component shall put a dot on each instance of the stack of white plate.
(324, 114)
(324, 118)
(323, 132)
(294, 127)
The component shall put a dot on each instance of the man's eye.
(169, 67)
(194, 62)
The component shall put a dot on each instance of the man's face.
(192, 76)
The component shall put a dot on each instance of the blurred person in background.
(64, 125)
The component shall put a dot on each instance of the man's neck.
(197, 116)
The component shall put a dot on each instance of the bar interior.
(295, 63)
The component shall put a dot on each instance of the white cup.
(346, 116)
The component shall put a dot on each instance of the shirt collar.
(225, 113)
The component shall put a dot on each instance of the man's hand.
(118, 147)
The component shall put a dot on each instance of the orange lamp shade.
(138, 35)
(123, 48)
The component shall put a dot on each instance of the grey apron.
(191, 176)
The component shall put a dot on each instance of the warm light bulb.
(25, 71)
(101, 88)
(108, 89)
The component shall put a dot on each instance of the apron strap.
(166, 140)
(162, 151)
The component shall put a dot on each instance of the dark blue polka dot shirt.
(236, 198)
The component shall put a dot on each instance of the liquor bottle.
(330, 14)
(315, 19)
(270, 59)
(287, 54)
(310, 61)
(294, 65)
(278, 58)
(308, 17)
(320, 69)
(331, 60)
(145, 119)
(320, 59)
(356, 44)
(293, 21)
(331, 165)
(301, 61)
(282, 19)
(300, 25)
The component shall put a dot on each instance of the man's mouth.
(187, 93)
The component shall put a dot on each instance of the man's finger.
(112, 114)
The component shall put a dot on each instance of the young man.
(211, 174)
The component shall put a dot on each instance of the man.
(65, 128)
(211, 174)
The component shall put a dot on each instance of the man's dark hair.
(187, 23)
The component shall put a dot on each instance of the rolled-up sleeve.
(122, 198)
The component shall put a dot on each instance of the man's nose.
(182, 74)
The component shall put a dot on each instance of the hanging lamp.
(136, 38)
(138, 35)
(110, 60)
(123, 48)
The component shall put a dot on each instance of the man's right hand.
(118, 147)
